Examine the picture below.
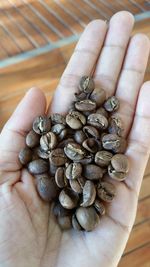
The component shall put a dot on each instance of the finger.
(112, 54)
(139, 140)
(12, 137)
(131, 78)
(81, 63)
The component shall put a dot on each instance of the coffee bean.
(89, 194)
(99, 206)
(57, 118)
(59, 210)
(111, 104)
(75, 120)
(32, 139)
(79, 136)
(75, 186)
(91, 131)
(47, 188)
(68, 198)
(58, 157)
(48, 141)
(60, 130)
(25, 155)
(98, 121)
(103, 158)
(38, 166)
(87, 218)
(81, 95)
(75, 223)
(92, 172)
(114, 143)
(86, 84)
(82, 181)
(98, 96)
(103, 112)
(41, 125)
(91, 145)
(106, 191)
(115, 125)
(60, 177)
(85, 105)
(65, 222)
(74, 151)
(88, 158)
(42, 154)
(74, 170)
(119, 167)
(64, 142)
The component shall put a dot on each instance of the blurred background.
(37, 38)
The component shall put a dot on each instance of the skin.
(29, 235)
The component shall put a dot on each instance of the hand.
(29, 236)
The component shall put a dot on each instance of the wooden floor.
(44, 71)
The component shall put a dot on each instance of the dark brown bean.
(32, 139)
(92, 172)
(87, 218)
(47, 188)
(38, 166)
(85, 105)
(98, 96)
(41, 125)
(25, 155)
(106, 191)
(58, 157)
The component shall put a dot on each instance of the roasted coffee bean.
(74, 170)
(103, 112)
(88, 158)
(89, 194)
(87, 218)
(85, 105)
(92, 145)
(60, 130)
(114, 143)
(75, 186)
(106, 191)
(42, 154)
(48, 141)
(98, 121)
(64, 142)
(57, 118)
(47, 188)
(32, 139)
(75, 223)
(68, 198)
(99, 206)
(86, 84)
(82, 181)
(52, 169)
(41, 125)
(91, 131)
(60, 177)
(92, 172)
(38, 166)
(119, 167)
(81, 95)
(115, 125)
(75, 120)
(65, 222)
(58, 157)
(103, 158)
(98, 96)
(25, 155)
(74, 151)
(59, 210)
(111, 104)
(79, 136)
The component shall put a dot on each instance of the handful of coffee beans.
(70, 155)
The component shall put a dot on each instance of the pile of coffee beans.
(71, 155)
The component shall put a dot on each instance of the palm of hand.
(29, 235)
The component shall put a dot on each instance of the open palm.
(29, 235)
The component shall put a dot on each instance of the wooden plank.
(27, 26)
(104, 7)
(52, 19)
(140, 236)
(143, 211)
(37, 21)
(138, 258)
(145, 188)
(12, 48)
(65, 16)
